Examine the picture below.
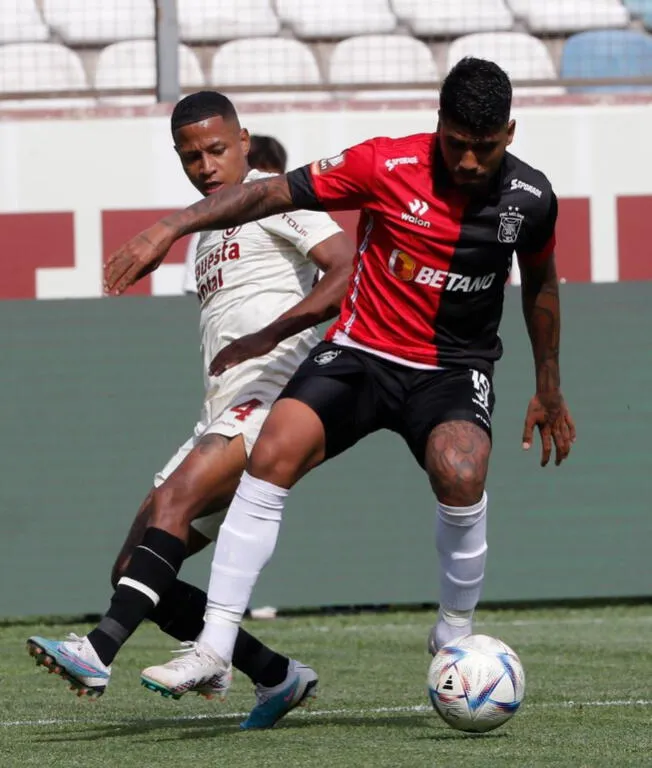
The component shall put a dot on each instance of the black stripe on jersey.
(302, 189)
(520, 218)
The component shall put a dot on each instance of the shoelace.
(71, 637)
(188, 650)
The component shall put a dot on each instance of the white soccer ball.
(476, 683)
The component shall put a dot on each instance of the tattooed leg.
(457, 458)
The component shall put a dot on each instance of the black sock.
(152, 570)
(257, 661)
(180, 614)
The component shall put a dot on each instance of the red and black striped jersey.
(427, 285)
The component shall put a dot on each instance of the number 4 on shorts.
(245, 409)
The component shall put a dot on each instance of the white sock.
(245, 543)
(462, 546)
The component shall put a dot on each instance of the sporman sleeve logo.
(510, 225)
(327, 164)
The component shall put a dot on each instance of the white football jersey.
(249, 275)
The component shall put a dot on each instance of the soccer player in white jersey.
(255, 286)
(265, 154)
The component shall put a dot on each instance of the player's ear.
(511, 127)
(245, 140)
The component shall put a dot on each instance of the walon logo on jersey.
(418, 208)
(401, 265)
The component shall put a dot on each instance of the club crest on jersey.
(327, 164)
(510, 225)
(227, 234)
(324, 358)
(401, 265)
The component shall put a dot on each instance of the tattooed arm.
(547, 409)
(540, 296)
(227, 207)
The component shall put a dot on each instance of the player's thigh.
(325, 408)
(448, 429)
(205, 480)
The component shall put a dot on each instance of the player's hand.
(244, 348)
(548, 412)
(136, 258)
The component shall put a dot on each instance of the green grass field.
(588, 701)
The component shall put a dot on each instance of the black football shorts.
(355, 393)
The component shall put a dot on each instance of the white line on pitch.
(409, 626)
(311, 713)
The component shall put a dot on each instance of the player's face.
(473, 160)
(213, 152)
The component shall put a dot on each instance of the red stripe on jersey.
(391, 304)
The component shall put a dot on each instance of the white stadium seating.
(453, 17)
(132, 64)
(564, 16)
(383, 59)
(213, 20)
(522, 56)
(94, 22)
(266, 62)
(41, 67)
(314, 20)
(20, 21)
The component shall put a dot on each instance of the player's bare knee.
(273, 460)
(457, 459)
(173, 505)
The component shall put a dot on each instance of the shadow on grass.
(208, 728)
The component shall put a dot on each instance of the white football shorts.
(240, 413)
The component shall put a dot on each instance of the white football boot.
(196, 669)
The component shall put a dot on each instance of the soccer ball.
(476, 683)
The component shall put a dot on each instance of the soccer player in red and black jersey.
(414, 347)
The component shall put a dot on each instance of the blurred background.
(96, 393)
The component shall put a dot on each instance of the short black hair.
(201, 106)
(476, 95)
(267, 154)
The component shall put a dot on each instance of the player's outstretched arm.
(547, 409)
(334, 256)
(228, 207)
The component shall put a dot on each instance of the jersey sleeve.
(303, 229)
(540, 242)
(337, 183)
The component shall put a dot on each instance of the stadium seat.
(391, 59)
(132, 64)
(20, 21)
(427, 18)
(265, 62)
(642, 9)
(522, 56)
(570, 15)
(41, 67)
(208, 20)
(607, 53)
(94, 22)
(313, 20)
